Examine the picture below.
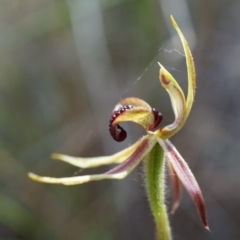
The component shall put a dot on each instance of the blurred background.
(64, 64)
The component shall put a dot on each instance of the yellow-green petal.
(181, 107)
(190, 70)
(119, 172)
(178, 102)
(98, 161)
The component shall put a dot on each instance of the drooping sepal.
(187, 178)
(177, 188)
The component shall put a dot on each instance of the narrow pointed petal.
(148, 118)
(190, 69)
(186, 177)
(119, 172)
(177, 188)
(98, 161)
(181, 107)
(178, 102)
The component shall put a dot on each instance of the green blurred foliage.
(64, 64)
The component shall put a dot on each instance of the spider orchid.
(155, 144)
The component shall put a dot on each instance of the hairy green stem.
(155, 189)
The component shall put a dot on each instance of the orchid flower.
(155, 147)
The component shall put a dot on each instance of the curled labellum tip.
(148, 119)
(116, 131)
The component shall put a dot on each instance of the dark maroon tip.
(118, 133)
